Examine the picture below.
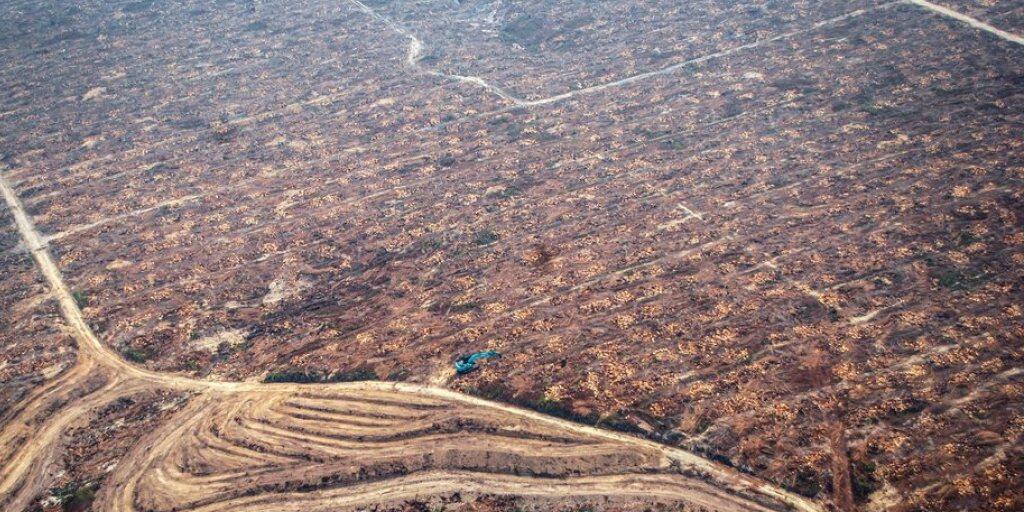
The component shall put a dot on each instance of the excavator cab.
(465, 364)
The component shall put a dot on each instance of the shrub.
(136, 355)
(296, 376)
(353, 375)
(957, 280)
(446, 161)
(491, 392)
(398, 374)
(75, 496)
(293, 376)
(864, 480)
(485, 237)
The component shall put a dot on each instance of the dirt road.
(254, 446)
(414, 52)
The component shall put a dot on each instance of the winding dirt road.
(255, 446)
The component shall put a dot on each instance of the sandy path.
(974, 22)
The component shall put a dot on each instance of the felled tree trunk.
(842, 488)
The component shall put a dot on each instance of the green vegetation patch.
(75, 496)
(560, 409)
(958, 280)
(137, 355)
(485, 237)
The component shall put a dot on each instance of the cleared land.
(785, 236)
(254, 446)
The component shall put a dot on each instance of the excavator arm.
(466, 364)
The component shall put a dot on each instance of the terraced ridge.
(325, 449)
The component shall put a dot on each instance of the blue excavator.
(466, 364)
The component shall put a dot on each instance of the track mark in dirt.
(974, 22)
(415, 50)
(414, 54)
(123, 216)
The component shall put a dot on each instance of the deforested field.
(735, 255)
